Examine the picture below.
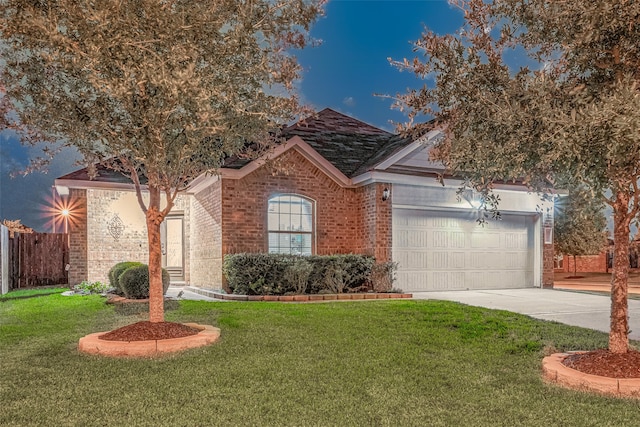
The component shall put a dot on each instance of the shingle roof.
(104, 175)
(352, 146)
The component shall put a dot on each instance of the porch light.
(385, 194)
(65, 215)
(473, 198)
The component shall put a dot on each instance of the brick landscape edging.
(311, 297)
(92, 344)
(554, 371)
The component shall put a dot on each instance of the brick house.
(600, 263)
(341, 186)
(583, 263)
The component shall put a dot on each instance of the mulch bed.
(143, 331)
(606, 364)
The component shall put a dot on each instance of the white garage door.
(438, 250)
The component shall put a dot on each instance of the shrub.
(383, 275)
(335, 276)
(134, 282)
(255, 274)
(279, 274)
(116, 271)
(91, 287)
(354, 271)
(297, 274)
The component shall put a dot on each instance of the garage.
(448, 250)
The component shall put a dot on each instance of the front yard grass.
(399, 363)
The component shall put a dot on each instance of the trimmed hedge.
(117, 270)
(278, 274)
(134, 282)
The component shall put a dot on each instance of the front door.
(172, 232)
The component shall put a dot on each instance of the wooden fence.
(37, 259)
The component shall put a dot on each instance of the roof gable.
(347, 143)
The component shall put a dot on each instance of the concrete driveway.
(571, 308)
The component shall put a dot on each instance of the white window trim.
(313, 219)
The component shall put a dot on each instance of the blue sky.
(343, 73)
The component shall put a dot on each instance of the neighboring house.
(340, 186)
(600, 263)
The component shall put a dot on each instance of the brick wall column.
(78, 237)
(383, 238)
(547, 252)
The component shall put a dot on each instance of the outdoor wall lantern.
(473, 198)
(548, 235)
(385, 194)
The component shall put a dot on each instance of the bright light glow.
(62, 212)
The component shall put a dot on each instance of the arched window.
(290, 222)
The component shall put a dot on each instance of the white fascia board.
(62, 190)
(428, 181)
(298, 144)
(393, 178)
(201, 182)
(459, 209)
(415, 145)
(63, 185)
(100, 185)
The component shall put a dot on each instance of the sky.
(344, 73)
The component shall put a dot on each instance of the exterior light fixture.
(65, 215)
(385, 194)
(473, 198)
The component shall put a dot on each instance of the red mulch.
(606, 364)
(143, 331)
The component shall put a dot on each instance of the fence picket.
(37, 259)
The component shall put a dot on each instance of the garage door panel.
(457, 260)
(418, 260)
(440, 239)
(480, 240)
(458, 239)
(439, 251)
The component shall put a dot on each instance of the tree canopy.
(572, 118)
(579, 225)
(160, 90)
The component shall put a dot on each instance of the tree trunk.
(156, 294)
(619, 332)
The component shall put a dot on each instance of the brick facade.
(206, 244)
(230, 216)
(375, 222)
(585, 263)
(78, 237)
(338, 210)
(547, 252)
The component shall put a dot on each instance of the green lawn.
(396, 363)
(32, 292)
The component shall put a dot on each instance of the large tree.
(162, 90)
(579, 225)
(574, 116)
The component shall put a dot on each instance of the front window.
(290, 225)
